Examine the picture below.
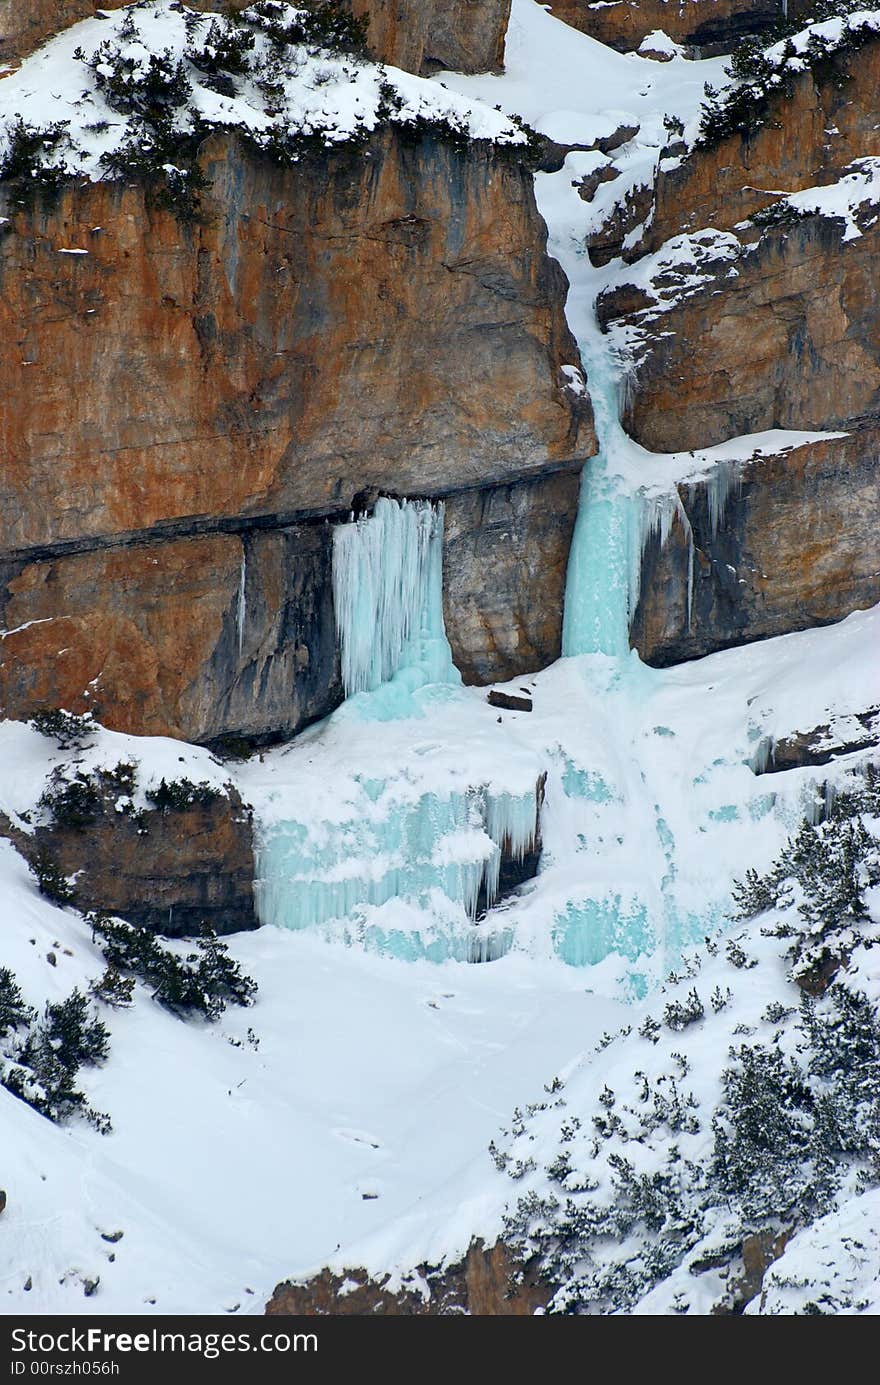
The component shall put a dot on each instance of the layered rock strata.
(386, 320)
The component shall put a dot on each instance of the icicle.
(761, 759)
(724, 480)
(830, 797)
(388, 594)
(242, 598)
(446, 845)
(512, 822)
(659, 514)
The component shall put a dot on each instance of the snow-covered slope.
(233, 1164)
(345, 1119)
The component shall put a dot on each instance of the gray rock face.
(504, 562)
(798, 546)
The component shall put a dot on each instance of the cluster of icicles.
(436, 855)
(447, 844)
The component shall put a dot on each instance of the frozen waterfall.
(388, 595)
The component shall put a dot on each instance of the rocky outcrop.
(199, 637)
(608, 240)
(713, 26)
(842, 735)
(797, 546)
(750, 306)
(769, 330)
(388, 319)
(505, 556)
(810, 132)
(170, 869)
(487, 1283)
(467, 35)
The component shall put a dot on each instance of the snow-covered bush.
(203, 982)
(51, 880)
(72, 732)
(291, 81)
(825, 870)
(176, 795)
(40, 1058)
(752, 1109)
(761, 71)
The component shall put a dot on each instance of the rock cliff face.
(466, 35)
(417, 35)
(487, 1283)
(712, 25)
(328, 328)
(389, 320)
(169, 870)
(820, 125)
(750, 306)
(780, 332)
(797, 547)
(195, 637)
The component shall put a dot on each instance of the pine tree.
(14, 1014)
(77, 1036)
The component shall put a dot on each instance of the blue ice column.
(388, 599)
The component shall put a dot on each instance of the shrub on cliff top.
(72, 732)
(762, 72)
(289, 80)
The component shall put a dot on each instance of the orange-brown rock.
(809, 134)
(199, 637)
(783, 335)
(798, 546)
(387, 319)
(467, 35)
(169, 870)
(487, 1283)
(705, 24)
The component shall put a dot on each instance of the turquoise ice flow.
(388, 599)
(409, 867)
(438, 852)
(407, 862)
